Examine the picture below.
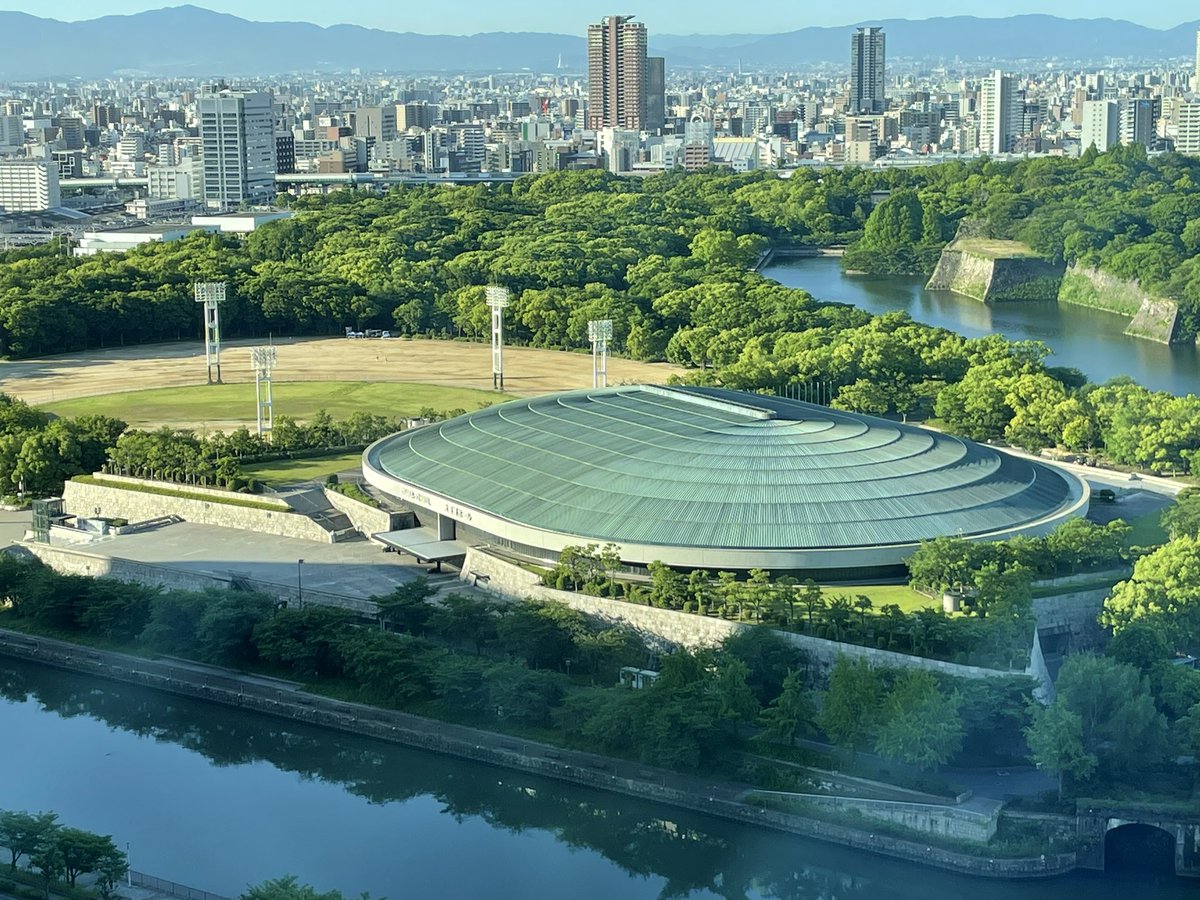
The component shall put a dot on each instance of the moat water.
(220, 799)
(1087, 339)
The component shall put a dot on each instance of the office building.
(237, 136)
(377, 122)
(656, 93)
(617, 74)
(1000, 111)
(29, 185)
(1100, 127)
(12, 131)
(866, 71)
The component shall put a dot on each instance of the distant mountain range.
(187, 40)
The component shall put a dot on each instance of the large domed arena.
(714, 479)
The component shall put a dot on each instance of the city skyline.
(664, 16)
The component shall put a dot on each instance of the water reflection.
(1089, 340)
(205, 796)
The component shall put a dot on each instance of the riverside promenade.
(287, 700)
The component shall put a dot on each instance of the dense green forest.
(668, 259)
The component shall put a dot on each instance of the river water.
(219, 799)
(1087, 339)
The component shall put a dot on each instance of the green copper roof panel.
(706, 467)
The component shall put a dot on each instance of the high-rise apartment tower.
(867, 56)
(237, 136)
(1000, 107)
(617, 74)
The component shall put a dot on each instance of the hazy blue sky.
(664, 16)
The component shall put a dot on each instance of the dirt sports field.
(448, 363)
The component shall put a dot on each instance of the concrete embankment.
(619, 776)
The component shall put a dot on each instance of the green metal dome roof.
(704, 467)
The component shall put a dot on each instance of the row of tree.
(526, 664)
(60, 853)
(38, 452)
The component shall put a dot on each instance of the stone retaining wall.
(930, 818)
(82, 499)
(366, 519)
(502, 750)
(992, 280)
(669, 627)
(1076, 613)
(1153, 318)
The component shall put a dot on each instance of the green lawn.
(883, 594)
(226, 403)
(993, 248)
(1148, 530)
(292, 471)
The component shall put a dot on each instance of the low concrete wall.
(673, 628)
(114, 502)
(366, 519)
(929, 818)
(68, 561)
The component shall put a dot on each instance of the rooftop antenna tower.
(600, 332)
(263, 359)
(211, 294)
(497, 299)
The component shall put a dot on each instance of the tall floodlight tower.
(497, 299)
(600, 332)
(263, 359)
(211, 294)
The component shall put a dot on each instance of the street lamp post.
(300, 583)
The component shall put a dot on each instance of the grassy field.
(994, 249)
(293, 471)
(230, 405)
(883, 594)
(1148, 530)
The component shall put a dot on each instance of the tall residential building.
(29, 185)
(617, 74)
(656, 93)
(867, 55)
(1139, 117)
(1100, 127)
(1196, 86)
(237, 135)
(1187, 135)
(1000, 109)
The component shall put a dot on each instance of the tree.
(1119, 723)
(1056, 744)
(791, 713)
(737, 703)
(25, 834)
(225, 631)
(407, 606)
(851, 707)
(919, 725)
(289, 888)
(1183, 519)
(1165, 585)
(466, 619)
(83, 852)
